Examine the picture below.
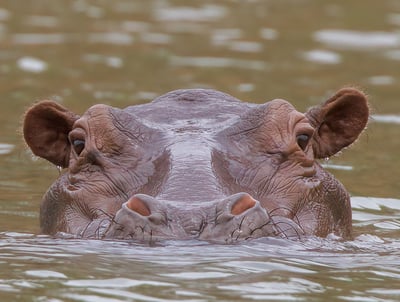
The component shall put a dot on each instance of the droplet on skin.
(59, 168)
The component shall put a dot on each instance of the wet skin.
(196, 164)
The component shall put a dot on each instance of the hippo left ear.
(338, 122)
(46, 128)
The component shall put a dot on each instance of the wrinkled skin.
(196, 164)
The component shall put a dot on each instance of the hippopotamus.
(196, 164)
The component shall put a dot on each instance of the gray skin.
(196, 164)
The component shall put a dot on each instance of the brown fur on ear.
(46, 128)
(338, 121)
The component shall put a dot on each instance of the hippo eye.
(302, 141)
(79, 145)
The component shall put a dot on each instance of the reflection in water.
(6, 148)
(123, 52)
(246, 46)
(116, 38)
(393, 54)
(225, 36)
(269, 33)
(387, 118)
(41, 21)
(37, 39)
(381, 80)
(155, 38)
(357, 40)
(205, 13)
(217, 62)
(337, 167)
(322, 56)
(31, 64)
(111, 61)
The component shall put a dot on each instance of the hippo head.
(196, 164)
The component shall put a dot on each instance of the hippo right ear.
(338, 122)
(46, 128)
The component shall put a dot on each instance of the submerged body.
(196, 164)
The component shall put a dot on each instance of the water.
(365, 269)
(125, 52)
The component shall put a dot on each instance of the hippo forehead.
(196, 111)
(190, 111)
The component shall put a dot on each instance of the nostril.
(241, 205)
(139, 206)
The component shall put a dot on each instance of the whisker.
(85, 229)
(105, 213)
(291, 212)
(100, 226)
(282, 231)
(261, 226)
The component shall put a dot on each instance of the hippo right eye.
(79, 145)
(302, 141)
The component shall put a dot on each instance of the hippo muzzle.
(236, 218)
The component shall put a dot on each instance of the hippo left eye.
(302, 141)
(79, 145)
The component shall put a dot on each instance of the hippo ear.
(338, 122)
(46, 128)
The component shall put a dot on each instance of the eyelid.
(304, 127)
(76, 134)
(77, 139)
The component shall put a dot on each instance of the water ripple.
(45, 274)
(350, 39)
(39, 38)
(42, 21)
(322, 57)
(114, 283)
(6, 148)
(386, 118)
(117, 38)
(214, 62)
(4, 14)
(205, 13)
(31, 64)
(197, 275)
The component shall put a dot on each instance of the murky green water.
(123, 52)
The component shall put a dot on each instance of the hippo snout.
(236, 218)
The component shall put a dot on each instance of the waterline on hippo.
(196, 164)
